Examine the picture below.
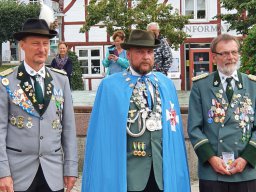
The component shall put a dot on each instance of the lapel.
(238, 94)
(48, 89)
(218, 89)
(26, 85)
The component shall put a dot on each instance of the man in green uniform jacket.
(221, 122)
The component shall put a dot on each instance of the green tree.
(120, 14)
(244, 16)
(12, 16)
(248, 56)
(76, 78)
(243, 20)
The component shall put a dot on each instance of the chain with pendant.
(147, 119)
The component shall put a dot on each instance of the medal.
(20, 123)
(54, 124)
(218, 110)
(13, 120)
(29, 123)
(216, 119)
(222, 119)
(139, 147)
(151, 124)
(143, 147)
(135, 152)
(144, 114)
(159, 125)
(210, 120)
(5, 82)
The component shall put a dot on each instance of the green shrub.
(248, 56)
(76, 78)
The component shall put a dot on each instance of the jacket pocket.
(13, 149)
(57, 149)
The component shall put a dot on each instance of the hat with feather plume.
(38, 27)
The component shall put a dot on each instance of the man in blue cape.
(135, 138)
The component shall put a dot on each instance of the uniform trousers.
(151, 185)
(219, 186)
(39, 183)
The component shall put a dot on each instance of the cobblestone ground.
(77, 187)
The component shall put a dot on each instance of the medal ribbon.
(144, 80)
(38, 89)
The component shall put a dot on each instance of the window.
(33, 1)
(14, 51)
(195, 8)
(90, 60)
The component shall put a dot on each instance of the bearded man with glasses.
(221, 122)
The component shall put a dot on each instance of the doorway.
(200, 62)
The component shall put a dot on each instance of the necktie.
(38, 90)
(145, 80)
(229, 89)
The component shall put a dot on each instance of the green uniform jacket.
(138, 167)
(214, 126)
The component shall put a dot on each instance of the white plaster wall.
(212, 9)
(225, 25)
(76, 12)
(97, 34)
(72, 33)
(66, 3)
(174, 3)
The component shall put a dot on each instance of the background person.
(115, 59)
(61, 61)
(135, 138)
(38, 150)
(163, 53)
(221, 122)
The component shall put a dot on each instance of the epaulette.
(252, 77)
(59, 71)
(200, 76)
(6, 72)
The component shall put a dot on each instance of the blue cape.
(106, 151)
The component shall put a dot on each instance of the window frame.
(195, 19)
(89, 58)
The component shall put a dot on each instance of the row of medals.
(19, 98)
(153, 119)
(244, 113)
(19, 122)
(139, 149)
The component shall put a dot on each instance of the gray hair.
(153, 23)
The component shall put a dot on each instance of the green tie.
(229, 89)
(38, 90)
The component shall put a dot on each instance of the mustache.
(145, 62)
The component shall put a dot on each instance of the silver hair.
(153, 23)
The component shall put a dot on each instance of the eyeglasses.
(227, 53)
